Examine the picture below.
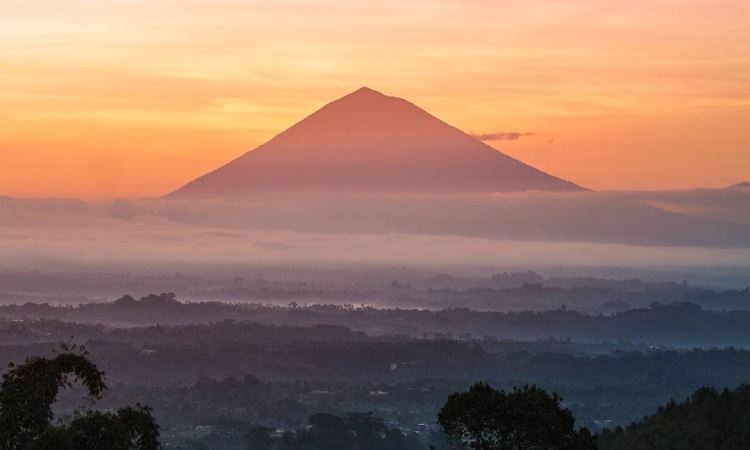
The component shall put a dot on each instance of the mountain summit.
(370, 142)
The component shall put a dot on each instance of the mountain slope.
(370, 142)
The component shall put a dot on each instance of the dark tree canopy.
(28, 392)
(709, 419)
(483, 418)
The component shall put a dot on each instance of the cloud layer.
(500, 136)
(707, 227)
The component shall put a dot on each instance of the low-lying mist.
(637, 229)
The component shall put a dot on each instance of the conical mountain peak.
(370, 142)
(367, 94)
(365, 91)
(363, 106)
(360, 96)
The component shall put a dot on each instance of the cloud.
(500, 136)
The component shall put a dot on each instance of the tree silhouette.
(525, 419)
(28, 391)
(708, 419)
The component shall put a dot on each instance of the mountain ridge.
(366, 141)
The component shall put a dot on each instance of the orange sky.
(102, 99)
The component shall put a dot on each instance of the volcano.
(368, 142)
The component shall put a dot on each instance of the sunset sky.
(104, 99)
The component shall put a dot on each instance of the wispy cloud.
(504, 136)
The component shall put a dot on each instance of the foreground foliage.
(483, 418)
(28, 392)
(709, 419)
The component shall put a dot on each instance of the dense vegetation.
(709, 419)
(480, 418)
(29, 390)
(393, 287)
(236, 375)
(683, 325)
(220, 379)
(483, 418)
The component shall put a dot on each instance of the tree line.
(480, 418)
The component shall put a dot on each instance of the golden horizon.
(115, 99)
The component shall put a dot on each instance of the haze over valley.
(293, 225)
